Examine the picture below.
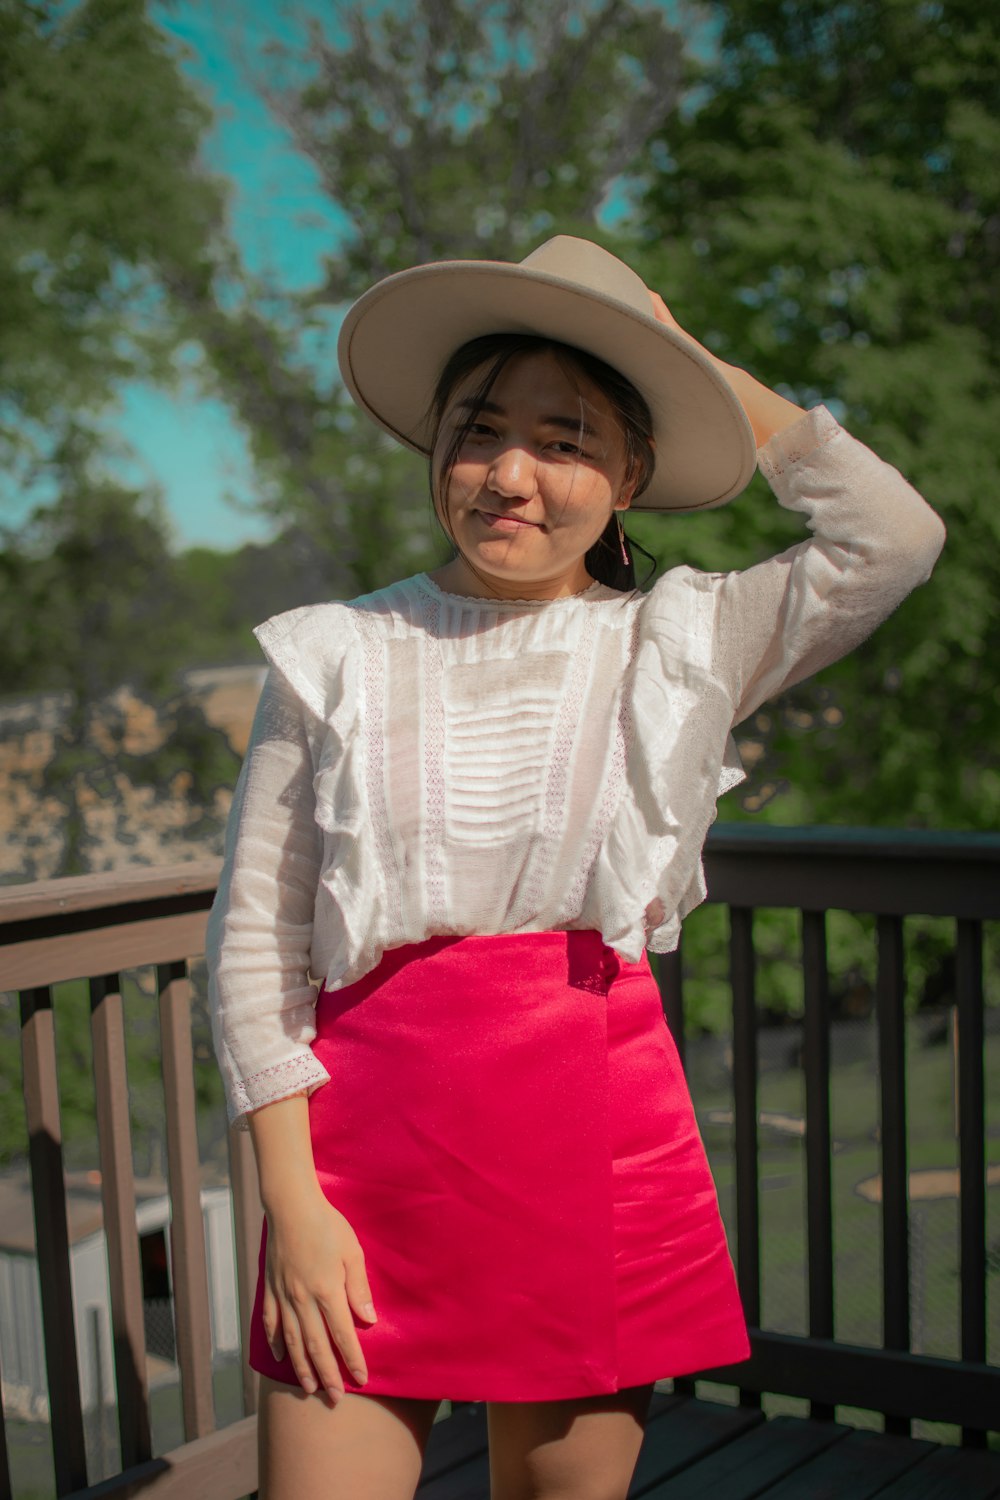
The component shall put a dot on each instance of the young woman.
(471, 801)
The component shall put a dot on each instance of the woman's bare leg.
(566, 1450)
(364, 1448)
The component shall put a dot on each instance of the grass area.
(934, 1223)
(30, 1443)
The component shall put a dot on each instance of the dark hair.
(494, 351)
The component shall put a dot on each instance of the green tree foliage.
(442, 128)
(829, 215)
(104, 203)
(454, 128)
(100, 188)
(89, 604)
(218, 592)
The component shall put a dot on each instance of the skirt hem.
(573, 1390)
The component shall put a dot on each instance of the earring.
(621, 541)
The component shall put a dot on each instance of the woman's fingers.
(358, 1291)
(662, 313)
(314, 1325)
(340, 1326)
(295, 1347)
(311, 1351)
(316, 1336)
(272, 1322)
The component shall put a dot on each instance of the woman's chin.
(496, 571)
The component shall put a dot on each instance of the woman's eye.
(563, 445)
(479, 429)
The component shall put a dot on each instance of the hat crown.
(592, 268)
(398, 337)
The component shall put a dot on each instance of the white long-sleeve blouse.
(424, 764)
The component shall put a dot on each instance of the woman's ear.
(626, 492)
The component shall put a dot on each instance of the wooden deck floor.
(700, 1450)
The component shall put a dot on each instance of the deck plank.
(757, 1460)
(454, 1441)
(856, 1469)
(947, 1472)
(685, 1433)
(694, 1449)
(466, 1481)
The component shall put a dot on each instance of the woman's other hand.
(767, 412)
(315, 1278)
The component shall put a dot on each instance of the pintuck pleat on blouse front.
(426, 765)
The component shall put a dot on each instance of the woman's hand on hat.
(767, 412)
(662, 313)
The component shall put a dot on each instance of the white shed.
(22, 1350)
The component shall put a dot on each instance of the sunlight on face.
(535, 480)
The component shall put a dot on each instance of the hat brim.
(397, 338)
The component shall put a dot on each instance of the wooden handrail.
(131, 885)
(94, 927)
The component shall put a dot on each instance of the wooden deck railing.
(99, 926)
(891, 876)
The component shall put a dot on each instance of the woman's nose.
(512, 472)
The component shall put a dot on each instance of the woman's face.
(535, 481)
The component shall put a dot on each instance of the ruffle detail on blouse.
(319, 650)
(681, 760)
(316, 649)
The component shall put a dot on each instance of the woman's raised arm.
(874, 540)
(767, 412)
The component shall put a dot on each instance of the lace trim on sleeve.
(813, 430)
(301, 1074)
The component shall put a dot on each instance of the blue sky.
(187, 444)
(184, 442)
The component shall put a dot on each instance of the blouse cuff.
(300, 1074)
(799, 440)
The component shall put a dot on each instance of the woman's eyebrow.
(493, 408)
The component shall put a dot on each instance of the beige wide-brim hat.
(397, 338)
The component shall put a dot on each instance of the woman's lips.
(505, 523)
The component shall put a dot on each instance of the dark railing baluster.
(890, 993)
(819, 1189)
(41, 1104)
(118, 1195)
(745, 1119)
(972, 1152)
(247, 1219)
(187, 1230)
(670, 975)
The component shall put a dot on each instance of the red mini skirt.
(508, 1130)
